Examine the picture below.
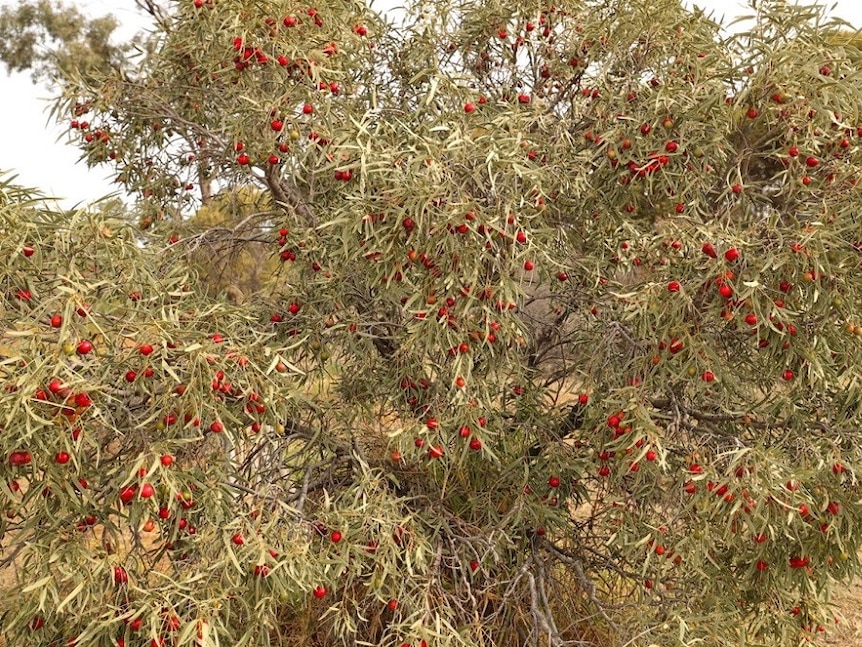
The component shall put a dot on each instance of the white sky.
(30, 142)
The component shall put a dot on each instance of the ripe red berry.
(731, 255)
(85, 347)
(319, 592)
(469, 107)
(673, 286)
(787, 375)
(709, 250)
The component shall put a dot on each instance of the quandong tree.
(562, 345)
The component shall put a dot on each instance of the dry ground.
(850, 603)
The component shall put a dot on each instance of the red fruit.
(521, 237)
(167, 460)
(761, 565)
(529, 266)
(709, 250)
(469, 107)
(793, 151)
(725, 290)
(554, 482)
(583, 398)
(751, 319)
(673, 286)
(82, 400)
(18, 459)
(120, 575)
(335, 537)
(523, 98)
(436, 451)
(694, 468)
(243, 159)
(798, 562)
(475, 444)
(85, 347)
(128, 493)
(731, 255)
(752, 113)
(651, 455)
(28, 251)
(147, 490)
(238, 539)
(276, 125)
(307, 109)
(811, 162)
(56, 321)
(736, 188)
(130, 376)
(319, 592)
(62, 458)
(216, 427)
(707, 376)
(787, 375)
(562, 276)
(838, 468)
